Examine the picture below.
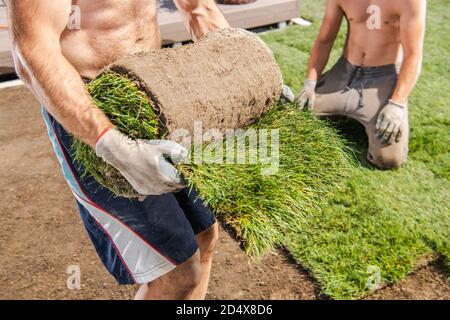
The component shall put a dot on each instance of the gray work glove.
(389, 122)
(287, 94)
(307, 96)
(143, 162)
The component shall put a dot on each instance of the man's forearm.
(318, 60)
(407, 79)
(202, 16)
(60, 88)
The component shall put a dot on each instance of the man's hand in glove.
(287, 94)
(389, 122)
(143, 163)
(307, 96)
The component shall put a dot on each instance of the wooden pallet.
(6, 61)
(247, 16)
(173, 30)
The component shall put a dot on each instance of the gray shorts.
(360, 93)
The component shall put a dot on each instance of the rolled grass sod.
(261, 208)
(225, 81)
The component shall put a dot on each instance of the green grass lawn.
(390, 220)
(345, 222)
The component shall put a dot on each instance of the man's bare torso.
(368, 45)
(109, 30)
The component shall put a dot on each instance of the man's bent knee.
(207, 241)
(189, 274)
(387, 161)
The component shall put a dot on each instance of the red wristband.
(104, 131)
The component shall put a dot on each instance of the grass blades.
(131, 112)
(264, 208)
(382, 220)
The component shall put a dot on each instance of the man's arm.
(412, 33)
(324, 42)
(320, 53)
(201, 16)
(36, 28)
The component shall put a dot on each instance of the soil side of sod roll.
(226, 81)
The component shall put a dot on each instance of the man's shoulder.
(410, 5)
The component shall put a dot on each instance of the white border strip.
(301, 22)
(11, 84)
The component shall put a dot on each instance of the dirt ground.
(41, 234)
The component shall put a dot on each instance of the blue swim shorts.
(137, 241)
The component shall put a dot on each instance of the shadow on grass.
(354, 133)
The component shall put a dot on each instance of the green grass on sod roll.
(132, 112)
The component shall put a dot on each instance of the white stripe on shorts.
(145, 263)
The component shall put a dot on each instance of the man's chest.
(105, 7)
(360, 11)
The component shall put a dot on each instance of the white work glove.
(307, 96)
(287, 94)
(389, 122)
(143, 162)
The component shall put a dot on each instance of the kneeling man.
(379, 68)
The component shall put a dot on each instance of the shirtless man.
(166, 242)
(372, 81)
